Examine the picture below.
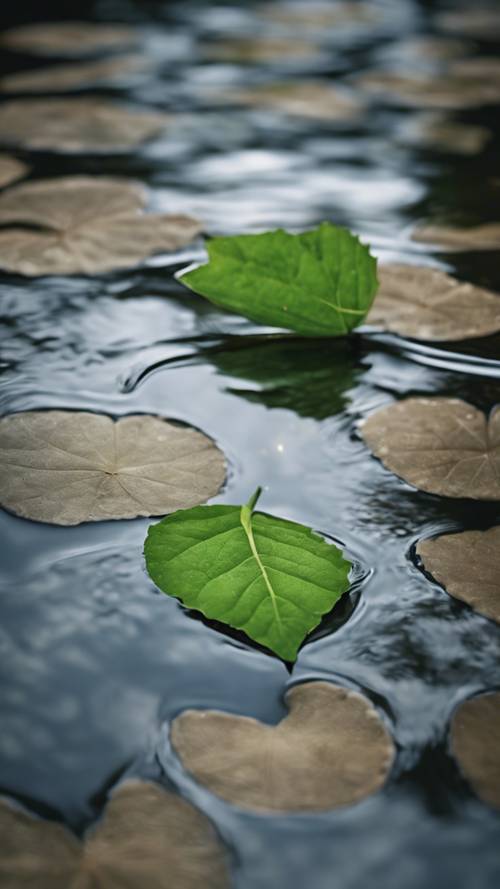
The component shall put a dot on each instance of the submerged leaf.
(467, 565)
(478, 237)
(475, 737)
(271, 578)
(148, 837)
(319, 283)
(73, 76)
(11, 169)
(331, 750)
(68, 38)
(81, 124)
(66, 467)
(441, 445)
(310, 99)
(428, 304)
(84, 225)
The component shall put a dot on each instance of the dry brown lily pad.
(68, 38)
(432, 130)
(74, 76)
(81, 124)
(147, 837)
(301, 99)
(467, 565)
(11, 169)
(477, 237)
(331, 750)
(84, 225)
(65, 467)
(441, 445)
(428, 304)
(475, 743)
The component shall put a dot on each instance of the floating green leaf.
(271, 578)
(320, 283)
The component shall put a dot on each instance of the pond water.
(95, 662)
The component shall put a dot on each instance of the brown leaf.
(433, 130)
(478, 237)
(331, 750)
(83, 124)
(147, 838)
(475, 743)
(440, 445)
(250, 50)
(467, 565)
(66, 467)
(428, 91)
(320, 15)
(427, 304)
(314, 100)
(474, 22)
(68, 38)
(86, 225)
(74, 76)
(11, 169)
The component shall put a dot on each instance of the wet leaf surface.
(76, 125)
(467, 565)
(84, 225)
(147, 837)
(75, 76)
(66, 467)
(68, 38)
(319, 283)
(331, 750)
(440, 445)
(11, 169)
(271, 578)
(475, 737)
(478, 237)
(428, 304)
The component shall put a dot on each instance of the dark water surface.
(95, 662)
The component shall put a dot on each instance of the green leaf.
(271, 578)
(320, 283)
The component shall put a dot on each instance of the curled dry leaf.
(74, 76)
(147, 837)
(331, 750)
(422, 91)
(477, 237)
(66, 467)
(475, 743)
(319, 101)
(441, 445)
(84, 225)
(435, 131)
(11, 169)
(77, 124)
(68, 38)
(467, 565)
(428, 304)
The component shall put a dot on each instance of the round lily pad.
(66, 467)
(83, 124)
(468, 566)
(85, 225)
(331, 750)
(441, 445)
(425, 303)
(148, 837)
(475, 743)
(68, 38)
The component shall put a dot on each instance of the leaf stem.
(246, 521)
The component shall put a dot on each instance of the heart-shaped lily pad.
(331, 750)
(66, 467)
(478, 237)
(68, 38)
(83, 124)
(468, 566)
(428, 304)
(475, 742)
(74, 76)
(11, 169)
(148, 837)
(84, 225)
(441, 445)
